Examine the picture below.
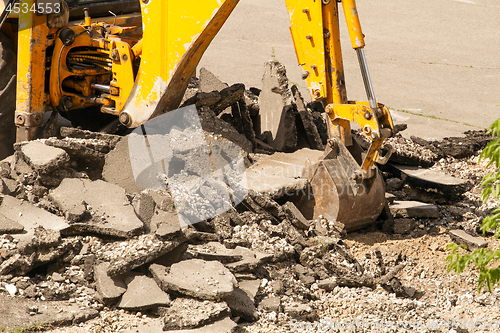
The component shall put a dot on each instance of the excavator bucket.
(175, 36)
(339, 193)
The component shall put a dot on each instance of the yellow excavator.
(133, 60)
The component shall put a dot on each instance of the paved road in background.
(428, 59)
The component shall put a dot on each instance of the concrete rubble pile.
(79, 235)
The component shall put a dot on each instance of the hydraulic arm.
(315, 31)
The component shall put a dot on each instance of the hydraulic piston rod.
(358, 43)
(366, 78)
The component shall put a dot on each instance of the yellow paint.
(377, 127)
(353, 24)
(123, 76)
(336, 92)
(306, 27)
(335, 83)
(354, 111)
(32, 38)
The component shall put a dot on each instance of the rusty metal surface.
(338, 193)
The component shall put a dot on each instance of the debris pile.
(80, 241)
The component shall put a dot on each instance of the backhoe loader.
(133, 60)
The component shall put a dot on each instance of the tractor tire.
(8, 69)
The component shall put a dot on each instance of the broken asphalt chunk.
(213, 251)
(23, 263)
(45, 255)
(411, 209)
(312, 136)
(277, 109)
(203, 99)
(294, 215)
(228, 97)
(300, 311)
(90, 152)
(205, 280)
(246, 120)
(217, 130)
(45, 237)
(144, 206)
(252, 103)
(328, 284)
(18, 262)
(139, 251)
(78, 133)
(472, 243)
(272, 303)
(97, 206)
(409, 152)
(209, 82)
(242, 305)
(430, 179)
(187, 313)
(225, 325)
(281, 174)
(8, 226)
(109, 289)
(267, 203)
(42, 158)
(165, 224)
(171, 257)
(195, 236)
(30, 217)
(251, 287)
(143, 293)
(384, 280)
(15, 317)
(117, 168)
(251, 260)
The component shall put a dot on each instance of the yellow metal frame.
(175, 36)
(307, 35)
(32, 38)
(123, 75)
(353, 24)
(376, 125)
